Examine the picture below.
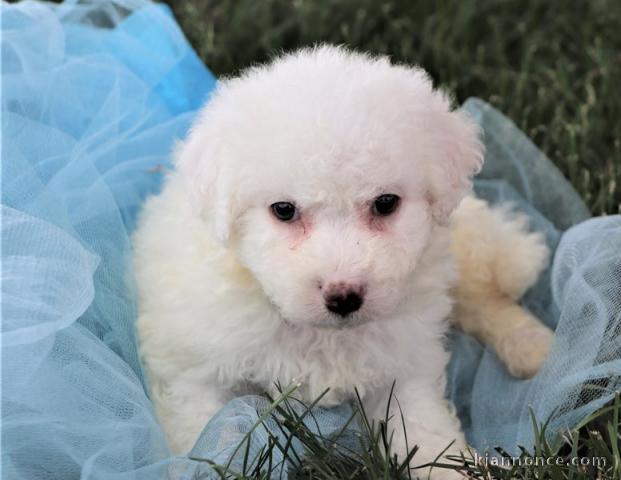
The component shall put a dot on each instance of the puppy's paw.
(438, 473)
(428, 453)
(525, 349)
(444, 474)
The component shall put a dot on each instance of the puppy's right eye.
(284, 211)
(385, 204)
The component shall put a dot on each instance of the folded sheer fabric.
(93, 97)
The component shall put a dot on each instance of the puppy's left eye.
(284, 211)
(385, 204)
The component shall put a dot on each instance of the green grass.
(362, 450)
(554, 67)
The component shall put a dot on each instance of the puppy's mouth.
(337, 322)
(331, 322)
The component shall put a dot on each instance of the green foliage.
(589, 451)
(553, 67)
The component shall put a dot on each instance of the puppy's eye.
(385, 204)
(284, 211)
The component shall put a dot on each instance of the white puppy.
(305, 236)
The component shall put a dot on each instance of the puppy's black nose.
(344, 303)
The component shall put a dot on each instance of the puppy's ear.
(200, 161)
(460, 158)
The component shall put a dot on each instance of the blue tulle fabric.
(93, 97)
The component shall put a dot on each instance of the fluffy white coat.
(230, 298)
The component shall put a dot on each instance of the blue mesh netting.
(93, 96)
(579, 295)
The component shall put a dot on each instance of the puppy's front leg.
(184, 407)
(430, 423)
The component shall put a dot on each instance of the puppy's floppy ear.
(460, 158)
(201, 163)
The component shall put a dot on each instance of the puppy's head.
(325, 172)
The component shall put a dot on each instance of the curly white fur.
(231, 298)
